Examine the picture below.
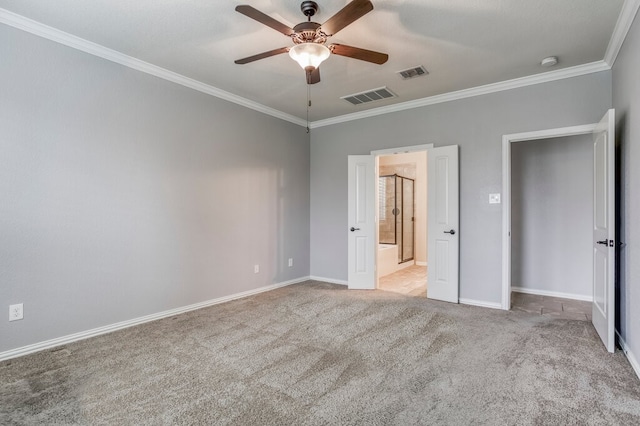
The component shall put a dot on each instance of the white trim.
(507, 140)
(481, 303)
(551, 133)
(625, 20)
(329, 280)
(58, 36)
(404, 265)
(506, 223)
(53, 34)
(403, 149)
(630, 356)
(585, 298)
(468, 93)
(48, 344)
(421, 263)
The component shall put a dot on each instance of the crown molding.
(629, 10)
(469, 93)
(53, 34)
(625, 20)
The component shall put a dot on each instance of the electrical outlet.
(494, 198)
(256, 269)
(290, 262)
(16, 312)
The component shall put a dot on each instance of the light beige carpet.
(315, 354)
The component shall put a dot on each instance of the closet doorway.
(551, 226)
(603, 218)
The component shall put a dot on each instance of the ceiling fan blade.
(313, 77)
(254, 13)
(262, 55)
(354, 10)
(358, 53)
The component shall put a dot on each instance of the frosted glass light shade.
(309, 54)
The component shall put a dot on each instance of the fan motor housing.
(309, 8)
(308, 32)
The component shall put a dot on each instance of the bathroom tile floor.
(411, 281)
(551, 306)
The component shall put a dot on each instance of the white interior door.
(603, 309)
(443, 219)
(361, 226)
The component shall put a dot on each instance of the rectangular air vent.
(413, 72)
(369, 96)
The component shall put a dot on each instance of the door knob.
(354, 229)
(603, 242)
(452, 232)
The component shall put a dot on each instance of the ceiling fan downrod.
(309, 8)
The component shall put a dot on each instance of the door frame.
(377, 154)
(402, 150)
(507, 140)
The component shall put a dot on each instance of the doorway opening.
(402, 223)
(508, 141)
(551, 226)
(603, 217)
(442, 196)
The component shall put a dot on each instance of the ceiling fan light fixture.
(309, 54)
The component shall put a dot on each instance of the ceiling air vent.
(369, 96)
(413, 72)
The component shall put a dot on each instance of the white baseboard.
(421, 263)
(48, 344)
(553, 294)
(404, 265)
(481, 303)
(630, 356)
(328, 280)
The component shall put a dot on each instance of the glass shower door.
(386, 216)
(399, 213)
(396, 214)
(407, 220)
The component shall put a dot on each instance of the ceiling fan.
(309, 38)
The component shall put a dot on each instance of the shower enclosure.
(396, 215)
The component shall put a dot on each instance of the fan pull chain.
(308, 105)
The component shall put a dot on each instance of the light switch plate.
(494, 198)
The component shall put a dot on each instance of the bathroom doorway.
(402, 223)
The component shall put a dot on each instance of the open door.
(603, 309)
(361, 226)
(443, 218)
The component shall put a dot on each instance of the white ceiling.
(462, 43)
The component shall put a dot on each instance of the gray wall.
(626, 100)
(124, 195)
(477, 125)
(552, 215)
